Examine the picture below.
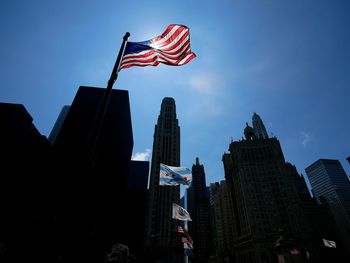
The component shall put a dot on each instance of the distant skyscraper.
(222, 222)
(162, 241)
(198, 207)
(259, 127)
(265, 202)
(329, 180)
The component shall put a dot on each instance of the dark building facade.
(137, 200)
(222, 223)
(320, 220)
(25, 157)
(266, 204)
(97, 201)
(115, 142)
(329, 180)
(162, 242)
(198, 207)
(63, 203)
(21, 142)
(58, 124)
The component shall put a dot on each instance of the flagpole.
(97, 124)
(186, 222)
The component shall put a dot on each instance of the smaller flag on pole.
(180, 213)
(186, 239)
(329, 243)
(295, 251)
(187, 243)
(171, 48)
(170, 175)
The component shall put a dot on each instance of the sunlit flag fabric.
(171, 48)
(171, 175)
(180, 213)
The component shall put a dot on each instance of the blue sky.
(289, 61)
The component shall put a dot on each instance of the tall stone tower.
(265, 203)
(162, 241)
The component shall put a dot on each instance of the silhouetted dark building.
(58, 205)
(265, 202)
(320, 220)
(58, 124)
(24, 158)
(198, 207)
(162, 240)
(96, 204)
(25, 179)
(137, 202)
(21, 143)
(116, 141)
(329, 180)
(222, 223)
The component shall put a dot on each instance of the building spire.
(197, 161)
(259, 127)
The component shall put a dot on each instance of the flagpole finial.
(127, 35)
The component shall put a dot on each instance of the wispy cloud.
(306, 137)
(206, 84)
(142, 156)
(206, 108)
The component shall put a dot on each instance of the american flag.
(187, 242)
(295, 251)
(186, 239)
(171, 48)
(180, 230)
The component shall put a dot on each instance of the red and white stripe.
(187, 242)
(180, 230)
(186, 239)
(171, 48)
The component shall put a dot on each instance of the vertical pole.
(97, 124)
(186, 222)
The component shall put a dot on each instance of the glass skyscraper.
(328, 179)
